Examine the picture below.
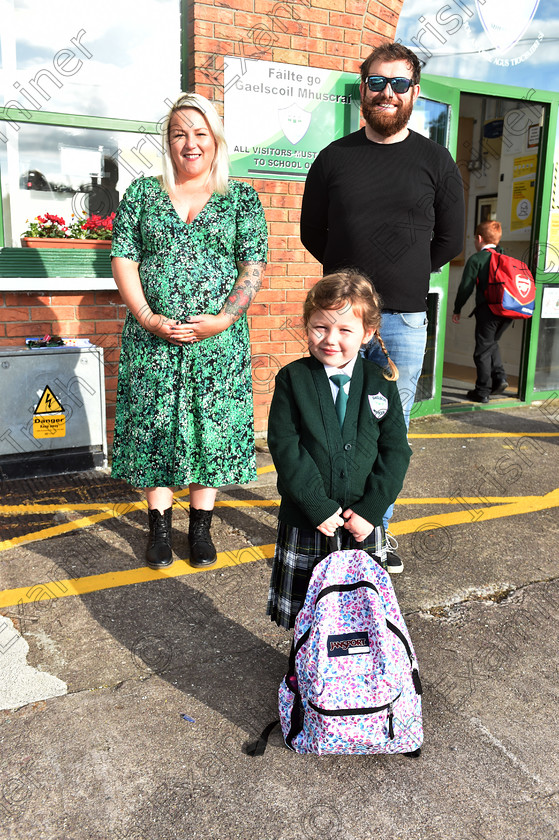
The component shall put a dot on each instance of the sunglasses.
(398, 85)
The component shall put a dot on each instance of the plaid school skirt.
(297, 550)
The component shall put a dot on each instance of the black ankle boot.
(202, 549)
(159, 554)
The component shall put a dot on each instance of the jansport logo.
(348, 644)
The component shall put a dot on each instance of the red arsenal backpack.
(511, 290)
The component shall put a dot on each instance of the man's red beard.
(384, 123)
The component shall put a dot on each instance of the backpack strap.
(258, 747)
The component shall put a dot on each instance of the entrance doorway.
(499, 155)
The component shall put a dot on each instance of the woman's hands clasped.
(199, 327)
(196, 328)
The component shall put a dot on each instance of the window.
(79, 109)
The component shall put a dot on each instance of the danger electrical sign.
(49, 420)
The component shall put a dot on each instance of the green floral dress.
(184, 413)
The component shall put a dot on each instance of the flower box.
(62, 242)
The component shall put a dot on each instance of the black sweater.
(394, 211)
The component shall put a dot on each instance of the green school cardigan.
(322, 467)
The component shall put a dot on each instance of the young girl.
(341, 458)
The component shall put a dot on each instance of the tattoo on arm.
(243, 292)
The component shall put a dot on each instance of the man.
(491, 378)
(390, 203)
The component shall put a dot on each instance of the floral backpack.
(352, 686)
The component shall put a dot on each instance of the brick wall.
(328, 34)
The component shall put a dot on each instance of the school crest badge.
(294, 122)
(378, 404)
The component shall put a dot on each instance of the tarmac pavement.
(126, 717)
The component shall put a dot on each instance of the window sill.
(68, 270)
(57, 284)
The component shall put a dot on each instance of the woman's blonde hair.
(350, 288)
(219, 172)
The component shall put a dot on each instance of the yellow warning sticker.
(49, 426)
(48, 404)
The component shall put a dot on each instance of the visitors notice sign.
(279, 116)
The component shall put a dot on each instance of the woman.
(188, 254)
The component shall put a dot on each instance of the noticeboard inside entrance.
(279, 116)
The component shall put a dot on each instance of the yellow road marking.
(441, 520)
(484, 435)
(120, 508)
(110, 580)
(115, 511)
(94, 583)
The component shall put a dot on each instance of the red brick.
(295, 295)
(359, 7)
(213, 46)
(286, 201)
(338, 48)
(297, 347)
(297, 187)
(264, 347)
(29, 329)
(281, 308)
(18, 298)
(270, 295)
(289, 332)
(291, 357)
(107, 327)
(69, 300)
(74, 328)
(279, 228)
(326, 62)
(204, 12)
(64, 313)
(248, 20)
(326, 33)
(259, 308)
(14, 313)
(204, 27)
(245, 5)
(275, 270)
(316, 15)
(277, 242)
(258, 334)
(289, 57)
(352, 37)
(311, 45)
(272, 321)
(102, 298)
(290, 25)
(98, 313)
(338, 5)
(346, 21)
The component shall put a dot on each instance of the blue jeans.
(405, 336)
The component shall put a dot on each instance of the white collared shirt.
(348, 370)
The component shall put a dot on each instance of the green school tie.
(340, 380)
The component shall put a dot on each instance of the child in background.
(339, 446)
(491, 377)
